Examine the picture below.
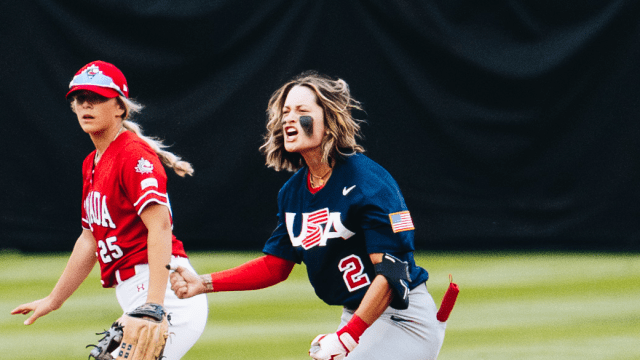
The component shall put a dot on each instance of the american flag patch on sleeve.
(401, 221)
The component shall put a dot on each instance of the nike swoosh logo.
(346, 191)
(399, 319)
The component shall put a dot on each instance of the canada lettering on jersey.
(313, 232)
(95, 206)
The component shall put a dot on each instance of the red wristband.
(355, 327)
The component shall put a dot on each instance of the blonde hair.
(168, 158)
(341, 128)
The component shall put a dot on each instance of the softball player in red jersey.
(126, 214)
(344, 216)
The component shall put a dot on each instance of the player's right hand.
(39, 307)
(332, 347)
(185, 284)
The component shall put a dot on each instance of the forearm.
(256, 274)
(159, 254)
(80, 264)
(377, 298)
(375, 301)
(157, 219)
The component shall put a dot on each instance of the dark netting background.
(512, 124)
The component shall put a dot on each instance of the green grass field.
(511, 306)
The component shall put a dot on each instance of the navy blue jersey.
(359, 211)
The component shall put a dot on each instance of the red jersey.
(128, 177)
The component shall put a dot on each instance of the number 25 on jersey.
(108, 250)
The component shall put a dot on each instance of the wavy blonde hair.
(168, 158)
(337, 104)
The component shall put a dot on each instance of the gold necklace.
(321, 178)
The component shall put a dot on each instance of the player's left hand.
(332, 347)
(142, 332)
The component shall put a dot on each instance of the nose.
(288, 119)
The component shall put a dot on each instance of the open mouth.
(87, 117)
(290, 131)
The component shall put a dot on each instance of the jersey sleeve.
(386, 221)
(143, 178)
(279, 244)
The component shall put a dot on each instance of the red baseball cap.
(102, 78)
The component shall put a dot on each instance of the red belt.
(124, 274)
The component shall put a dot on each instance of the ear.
(121, 107)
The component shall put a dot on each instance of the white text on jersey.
(312, 233)
(95, 206)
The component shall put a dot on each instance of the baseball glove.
(138, 335)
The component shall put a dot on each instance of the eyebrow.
(294, 106)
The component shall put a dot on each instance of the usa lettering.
(317, 228)
(95, 206)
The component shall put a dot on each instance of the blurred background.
(507, 124)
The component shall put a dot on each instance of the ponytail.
(168, 158)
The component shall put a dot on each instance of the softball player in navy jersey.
(344, 216)
(126, 215)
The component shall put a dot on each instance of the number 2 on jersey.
(353, 272)
(108, 250)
